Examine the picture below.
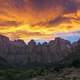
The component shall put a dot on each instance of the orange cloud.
(38, 19)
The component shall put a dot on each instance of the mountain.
(18, 53)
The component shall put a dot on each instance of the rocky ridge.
(19, 53)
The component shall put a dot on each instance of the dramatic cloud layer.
(39, 19)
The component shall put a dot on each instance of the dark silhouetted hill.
(18, 53)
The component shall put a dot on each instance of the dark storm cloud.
(60, 20)
(69, 6)
(43, 4)
(57, 21)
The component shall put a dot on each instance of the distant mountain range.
(18, 53)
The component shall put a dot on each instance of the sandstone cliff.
(19, 53)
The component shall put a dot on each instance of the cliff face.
(4, 43)
(18, 53)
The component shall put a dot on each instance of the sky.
(40, 19)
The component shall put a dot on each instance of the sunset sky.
(40, 19)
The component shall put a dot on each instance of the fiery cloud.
(38, 19)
